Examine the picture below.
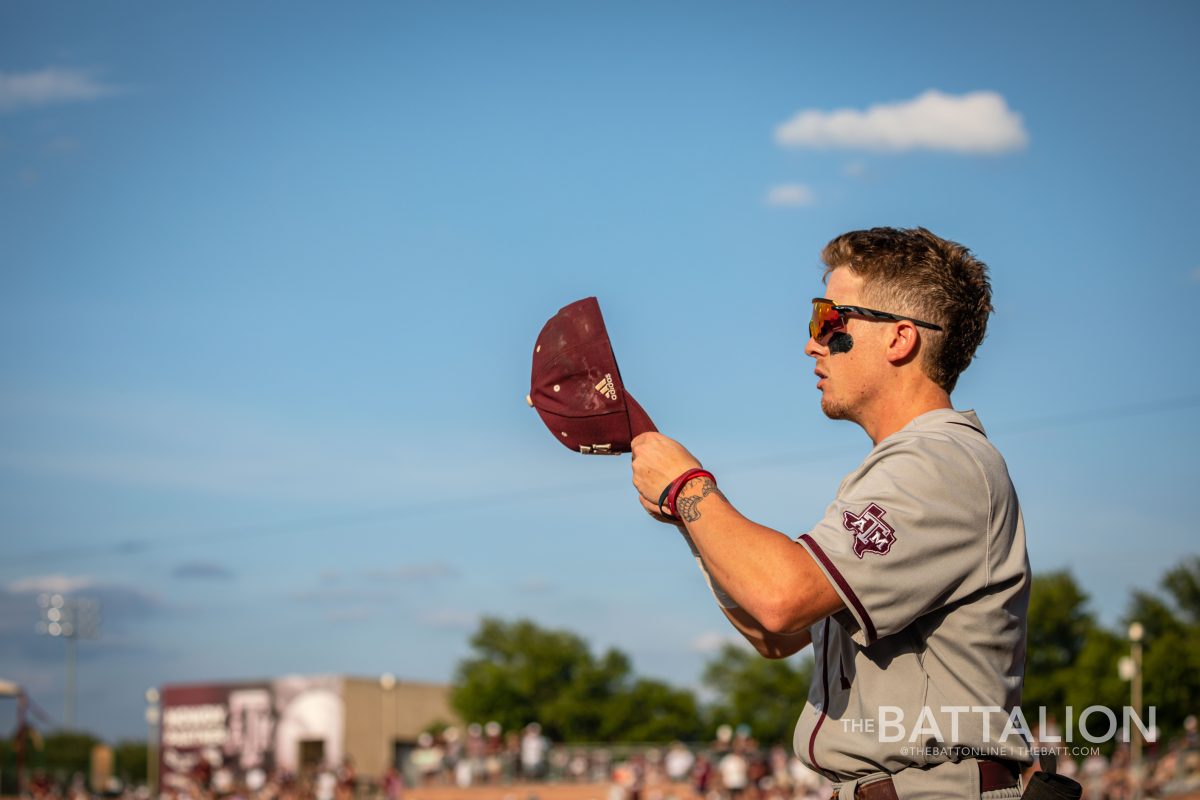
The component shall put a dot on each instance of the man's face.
(849, 365)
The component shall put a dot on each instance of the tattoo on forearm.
(688, 503)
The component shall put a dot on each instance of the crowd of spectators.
(1169, 770)
(481, 754)
(732, 767)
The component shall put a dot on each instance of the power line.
(306, 525)
(418, 509)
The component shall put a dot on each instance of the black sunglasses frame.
(870, 312)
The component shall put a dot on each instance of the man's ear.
(904, 344)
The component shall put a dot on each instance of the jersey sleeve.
(907, 534)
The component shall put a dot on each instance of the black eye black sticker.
(840, 342)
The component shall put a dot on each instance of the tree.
(1156, 615)
(579, 706)
(766, 694)
(66, 753)
(519, 670)
(1059, 626)
(1093, 679)
(676, 714)
(1183, 584)
(1171, 657)
(131, 760)
(1171, 678)
(1072, 661)
(521, 673)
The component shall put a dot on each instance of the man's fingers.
(659, 460)
(652, 510)
(641, 438)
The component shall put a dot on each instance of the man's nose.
(813, 349)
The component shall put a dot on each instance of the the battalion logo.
(606, 387)
(870, 531)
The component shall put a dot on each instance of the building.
(225, 732)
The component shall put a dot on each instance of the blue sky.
(272, 275)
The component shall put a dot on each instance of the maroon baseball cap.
(577, 388)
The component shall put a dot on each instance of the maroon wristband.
(678, 484)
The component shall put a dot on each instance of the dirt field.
(542, 791)
(534, 791)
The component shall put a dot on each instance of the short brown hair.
(917, 274)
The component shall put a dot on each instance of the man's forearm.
(770, 645)
(771, 577)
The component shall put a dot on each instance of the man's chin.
(834, 409)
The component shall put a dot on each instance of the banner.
(216, 735)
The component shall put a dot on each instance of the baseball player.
(913, 587)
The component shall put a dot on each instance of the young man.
(913, 588)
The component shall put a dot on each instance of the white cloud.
(48, 86)
(60, 584)
(121, 605)
(791, 195)
(976, 122)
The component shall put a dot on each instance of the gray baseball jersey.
(920, 672)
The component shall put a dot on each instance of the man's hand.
(658, 460)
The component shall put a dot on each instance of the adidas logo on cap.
(606, 388)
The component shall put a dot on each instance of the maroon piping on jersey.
(846, 590)
(812, 737)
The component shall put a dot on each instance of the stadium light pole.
(152, 717)
(387, 682)
(69, 618)
(1136, 632)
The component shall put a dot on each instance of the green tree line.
(62, 754)
(1071, 658)
(520, 673)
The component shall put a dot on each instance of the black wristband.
(662, 498)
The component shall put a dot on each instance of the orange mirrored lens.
(825, 320)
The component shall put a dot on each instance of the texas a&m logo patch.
(870, 531)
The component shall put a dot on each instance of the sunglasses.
(828, 318)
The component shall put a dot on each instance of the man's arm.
(769, 645)
(770, 576)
